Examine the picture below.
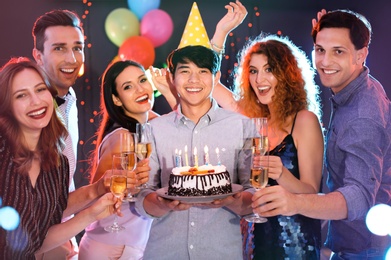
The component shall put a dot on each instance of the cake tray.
(199, 199)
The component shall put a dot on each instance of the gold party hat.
(195, 32)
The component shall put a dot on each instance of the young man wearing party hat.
(207, 230)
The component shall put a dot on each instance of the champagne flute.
(144, 140)
(144, 143)
(117, 187)
(128, 146)
(259, 174)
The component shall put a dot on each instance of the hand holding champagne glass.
(144, 140)
(118, 180)
(144, 143)
(128, 146)
(259, 173)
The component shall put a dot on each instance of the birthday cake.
(205, 180)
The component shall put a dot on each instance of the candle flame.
(206, 150)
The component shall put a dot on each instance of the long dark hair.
(51, 141)
(113, 116)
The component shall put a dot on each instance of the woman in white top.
(126, 99)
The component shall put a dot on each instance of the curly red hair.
(295, 90)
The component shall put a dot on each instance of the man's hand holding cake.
(211, 230)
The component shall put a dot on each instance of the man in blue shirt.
(358, 142)
(185, 231)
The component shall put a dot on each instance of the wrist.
(85, 217)
(219, 49)
(101, 188)
(279, 177)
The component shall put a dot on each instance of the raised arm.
(236, 13)
(225, 97)
(319, 15)
(161, 81)
(84, 196)
(60, 233)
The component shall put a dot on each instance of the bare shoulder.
(108, 147)
(307, 130)
(111, 143)
(306, 121)
(306, 115)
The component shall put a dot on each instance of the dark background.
(292, 18)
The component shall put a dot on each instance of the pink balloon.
(157, 26)
(137, 48)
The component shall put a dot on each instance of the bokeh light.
(378, 220)
(388, 255)
(9, 218)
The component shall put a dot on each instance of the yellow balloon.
(120, 24)
(115, 59)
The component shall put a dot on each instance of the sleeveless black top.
(281, 237)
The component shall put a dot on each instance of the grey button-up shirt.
(197, 233)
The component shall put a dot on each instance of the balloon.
(121, 24)
(141, 7)
(115, 59)
(138, 48)
(157, 26)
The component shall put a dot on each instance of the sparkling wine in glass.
(259, 177)
(143, 150)
(129, 164)
(144, 143)
(259, 173)
(117, 187)
(128, 142)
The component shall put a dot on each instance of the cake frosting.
(204, 180)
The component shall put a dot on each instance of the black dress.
(281, 237)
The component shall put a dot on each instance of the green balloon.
(121, 24)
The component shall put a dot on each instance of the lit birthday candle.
(218, 156)
(178, 159)
(186, 157)
(206, 155)
(195, 157)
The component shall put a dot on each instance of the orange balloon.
(115, 59)
(137, 48)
